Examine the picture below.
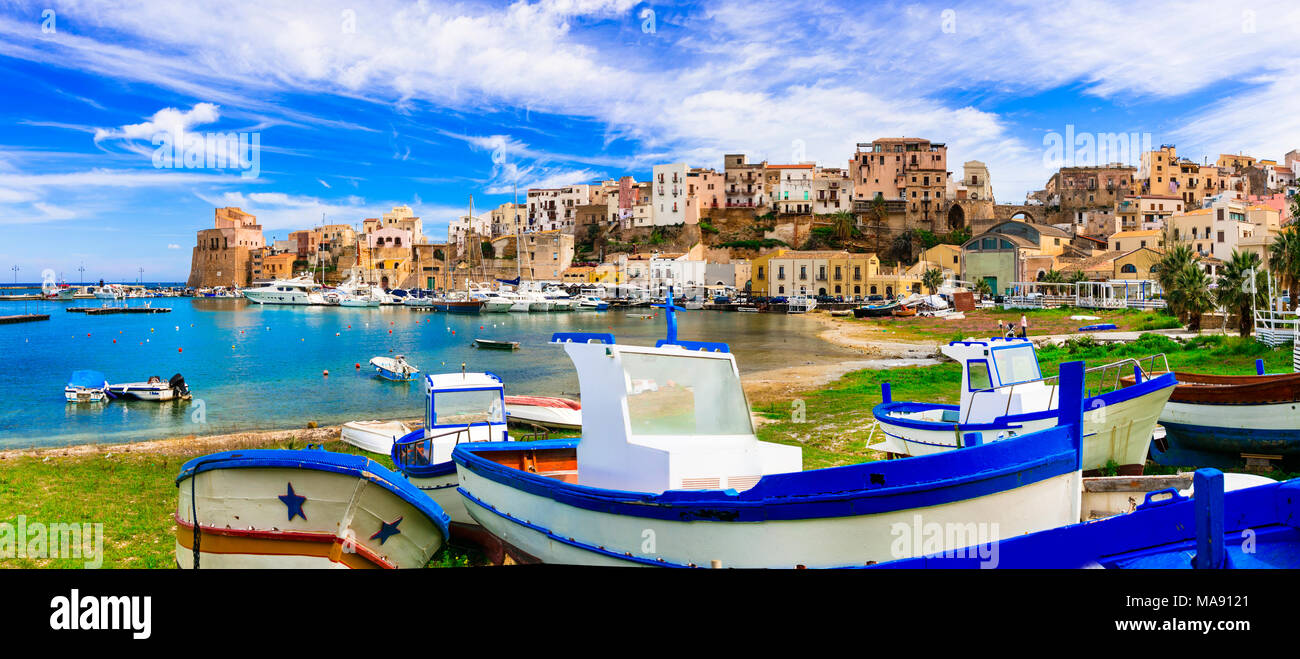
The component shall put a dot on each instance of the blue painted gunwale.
(1160, 534)
(822, 493)
(881, 411)
(420, 471)
(319, 459)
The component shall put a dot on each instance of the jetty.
(101, 311)
(23, 318)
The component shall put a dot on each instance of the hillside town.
(873, 227)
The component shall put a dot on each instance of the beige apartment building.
(221, 255)
(909, 169)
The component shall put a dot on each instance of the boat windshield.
(684, 395)
(465, 407)
(1016, 364)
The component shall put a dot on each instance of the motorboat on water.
(395, 368)
(459, 408)
(1004, 394)
(154, 389)
(110, 292)
(86, 387)
(299, 290)
(545, 411)
(671, 473)
(592, 303)
(277, 508)
(560, 299)
(418, 298)
(372, 295)
(457, 303)
(373, 436)
(494, 301)
(1225, 420)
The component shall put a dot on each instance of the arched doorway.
(956, 217)
(821, 291)
(383, 282)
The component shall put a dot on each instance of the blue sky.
(358, 107)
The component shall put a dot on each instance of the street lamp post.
(15, 269)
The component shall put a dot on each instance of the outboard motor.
(177, 383)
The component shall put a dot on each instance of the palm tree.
(842, 224)
(1191, 294)
(983, 288)
(1168, 269)
(1284, 258)
(878, 208)
(1236, 291)
(932, 279)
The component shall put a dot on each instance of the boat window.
(464, 407)
(1016, 364)
(682, 395)
(979, 375)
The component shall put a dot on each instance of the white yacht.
(299, 290)
(560, 299)
(111, 292)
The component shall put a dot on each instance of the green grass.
(984, 322)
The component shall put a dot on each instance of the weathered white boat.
(395, 368)
(86, 387)
(274, 508)
(154, 389)
(546, 411)
(459, 408)
(1004, 394)
(373, 436)
(673, 475)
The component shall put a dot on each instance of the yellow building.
(1137, 264)
(827, 272)
(1127, 241)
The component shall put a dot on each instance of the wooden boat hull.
(459, 306)
(539, 514)
(1212, 420)
(1117, 428)
(302, 509)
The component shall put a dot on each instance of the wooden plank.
(1136, 483)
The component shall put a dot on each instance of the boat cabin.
(462, 407)
(671, 417)
(999, 377)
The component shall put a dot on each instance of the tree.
(1284, 258)
(932, 279)
(878, 209)
(1238, 291)
(983, 288)
(1076, 276)
(843, 225)
(1169, 268)
(1191, 294)
(1052, 277)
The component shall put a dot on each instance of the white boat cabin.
(461, 407)
(999, 377)
(672, 417)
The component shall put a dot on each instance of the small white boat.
(592, 303)
(352, 301)
(275, 508)
(394, 368)
(546, 411)
(111, 292)
(459, 407)
(86, 387)
(154, 389)
(374, 436)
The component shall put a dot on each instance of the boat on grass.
(545, 411)
(154, 389)
(86, 387)
(875, 310)
(1223, 420)
(373, 436)
(276, 508)
(459, 408)
(1004, 394)
(395, 368)
(1217, 527)
(671, 474)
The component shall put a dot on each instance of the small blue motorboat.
(1255, 527)
(395, 368)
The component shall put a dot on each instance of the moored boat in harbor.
(394, 368)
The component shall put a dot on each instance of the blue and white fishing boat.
(86, 387)
(394, 368)
(274, 508)
(669, 472)
(1255, 527)
(1004, 394)
(459, 407)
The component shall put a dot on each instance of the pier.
(23, 318)
(102, 311)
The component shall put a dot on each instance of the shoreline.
(761, 387)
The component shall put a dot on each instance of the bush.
(707, 227)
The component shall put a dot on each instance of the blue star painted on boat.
(294, 503)
(386, 530)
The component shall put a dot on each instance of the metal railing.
(1275, 328)
(418, 452)
(1107, 379)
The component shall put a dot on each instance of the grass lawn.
(984, 322)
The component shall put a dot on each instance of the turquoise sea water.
(254, 367)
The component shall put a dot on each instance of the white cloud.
(173, 246)
(166, 120)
